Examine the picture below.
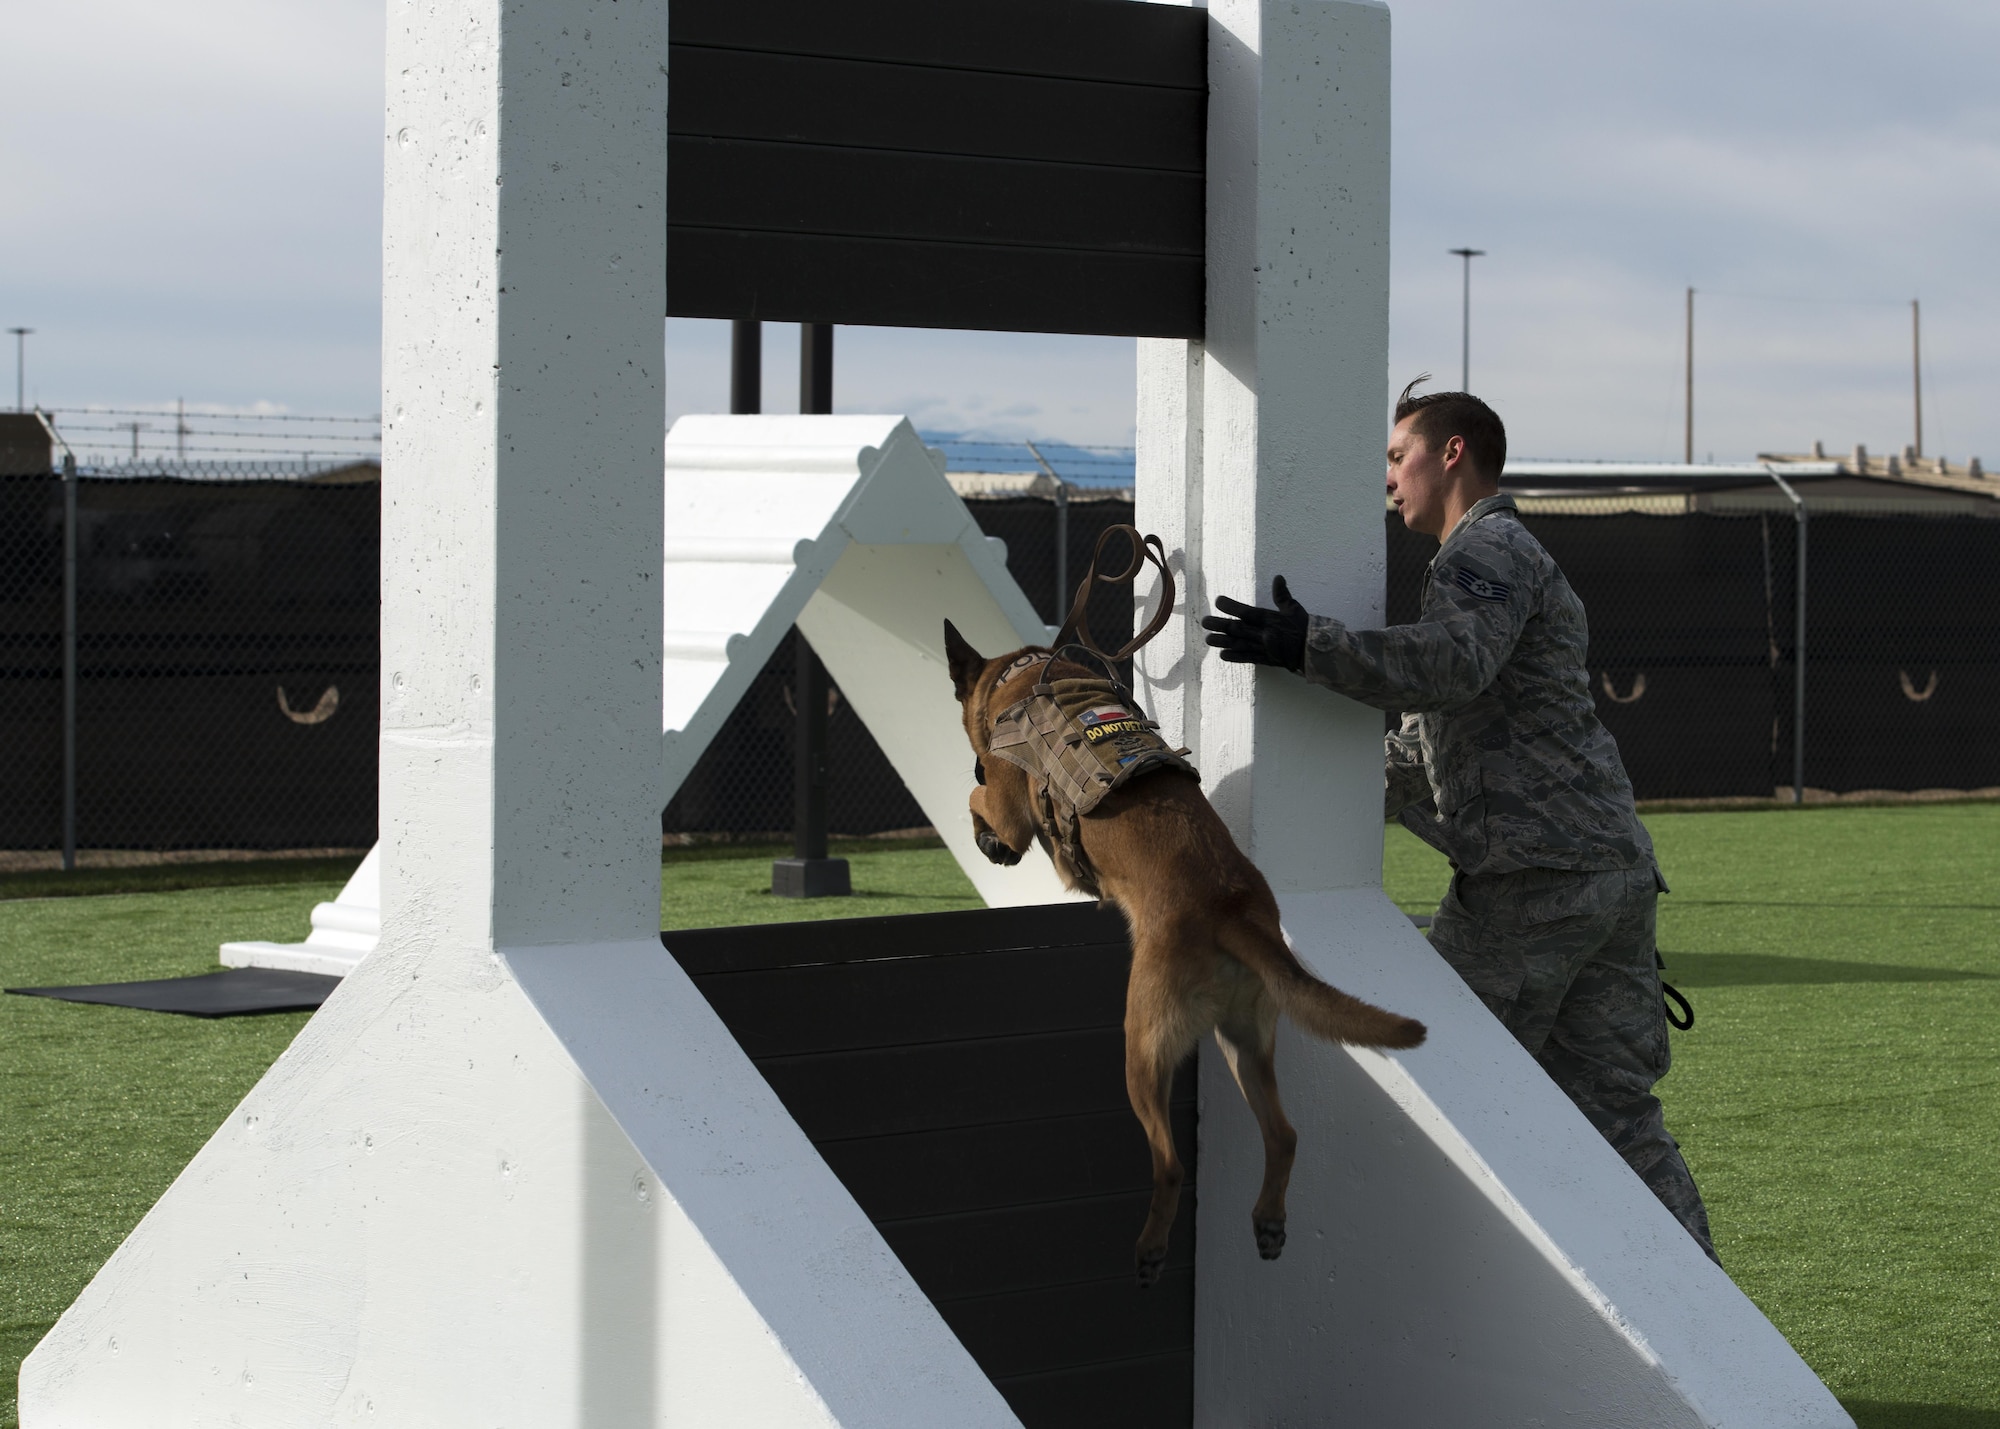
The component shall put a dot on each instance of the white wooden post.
(515, 1171)
(1464, 1248)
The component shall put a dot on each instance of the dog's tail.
(1317, 1007)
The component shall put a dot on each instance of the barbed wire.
(210, 414)
(1074, 463)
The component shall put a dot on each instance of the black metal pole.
(1799, 670)
(746, 367)
(816, 367)
(809, 752)
(809, 873)
(69, 662)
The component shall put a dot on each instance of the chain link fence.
(226, 638)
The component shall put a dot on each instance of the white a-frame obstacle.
(846, 527)
(516, 1172)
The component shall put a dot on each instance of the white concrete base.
(1464, 1247)
(449, 1203)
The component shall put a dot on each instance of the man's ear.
(965, 662)
(1453, 453)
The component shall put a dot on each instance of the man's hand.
(1258, 635)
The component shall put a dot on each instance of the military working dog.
(1207, 950)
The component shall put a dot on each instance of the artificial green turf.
(100, 1107)
(170, 877)
(727, 887)
(1836, 1098)
(1839, 1096)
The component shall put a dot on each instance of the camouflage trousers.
(1566, 961)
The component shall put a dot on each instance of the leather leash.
(1076, 629)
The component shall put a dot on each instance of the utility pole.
(1465, 318)
(20, 367)
(1917, 369)
(180, 429)
(1687, 449)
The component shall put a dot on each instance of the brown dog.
(1207, 952)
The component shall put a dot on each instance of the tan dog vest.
(1079, 740)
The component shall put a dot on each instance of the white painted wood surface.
(847, 527)
(515, 1172)
(344, 930)
(1464, 1247)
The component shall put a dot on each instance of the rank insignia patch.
(1478, 587)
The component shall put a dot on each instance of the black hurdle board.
(962, 1074)
(1006, 165)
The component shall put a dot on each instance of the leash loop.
(1076, 629)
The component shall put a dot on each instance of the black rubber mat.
(232, 993)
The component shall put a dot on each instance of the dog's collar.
(1022, 662)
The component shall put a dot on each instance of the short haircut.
(1440, 416)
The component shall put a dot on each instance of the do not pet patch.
(1107, 722)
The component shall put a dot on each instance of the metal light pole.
(1465, 318)
(1917, 369)
(1687, 442)
(20, 367)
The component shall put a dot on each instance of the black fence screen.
(227, 638)
(1693, 651)
(227, 644)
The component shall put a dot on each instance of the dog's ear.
(965, 662)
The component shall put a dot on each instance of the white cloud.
(202, 192)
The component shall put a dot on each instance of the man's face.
(1421, 478)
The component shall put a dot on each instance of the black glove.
(1259, 635)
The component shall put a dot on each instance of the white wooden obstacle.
(516, 1173)
(846, 527)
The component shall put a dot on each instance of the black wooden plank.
(757, 185)
(1151, 1392)
(1060, 1327)
(777, 277)
(972, 1168)
(877, 1093)
(1021, 1247)
(905, 1001)
(774, 945)
(1085, 39)
(740, 94)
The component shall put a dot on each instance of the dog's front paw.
(995, 851)
(1270, 1238)
(1149, 1264)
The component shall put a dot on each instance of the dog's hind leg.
(1157, 1037)
(1247, 1034)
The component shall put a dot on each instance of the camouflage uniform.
(1500, 763)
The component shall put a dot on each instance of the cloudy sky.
(194, 212)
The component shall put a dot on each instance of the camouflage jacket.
(1500, 763)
